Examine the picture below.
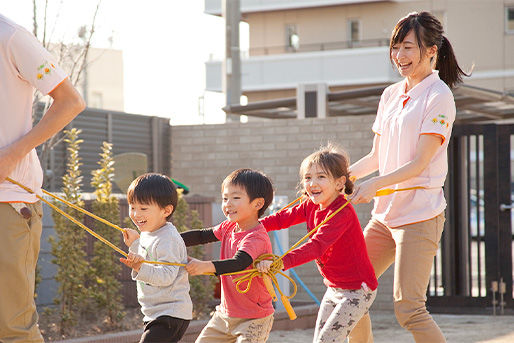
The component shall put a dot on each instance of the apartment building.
(103, 88)
(101, 80)
(344, 43)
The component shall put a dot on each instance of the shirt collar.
(418, 89)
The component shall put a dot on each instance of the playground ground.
(456, 328)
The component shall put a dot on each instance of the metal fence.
(127, 132)
(473, 270)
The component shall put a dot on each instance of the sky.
(165, 45)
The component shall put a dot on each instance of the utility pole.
(232, 64)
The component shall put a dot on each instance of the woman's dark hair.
(333, 161)
(255, 183)
(153, 188)
(429, 32)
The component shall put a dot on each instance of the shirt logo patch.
(44, 69)
(440, 119)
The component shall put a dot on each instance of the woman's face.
(406, 55)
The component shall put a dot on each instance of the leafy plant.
(202, 287)
(68, 248)
(105, 286)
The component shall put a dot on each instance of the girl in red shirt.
(337, 246)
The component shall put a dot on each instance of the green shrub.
(202, 287)
(106, 289)
(68, 247)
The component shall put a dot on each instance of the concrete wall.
(202, 155)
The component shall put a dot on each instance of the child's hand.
(133, 261)
(129, 236)
(263, 266)
(197, 267)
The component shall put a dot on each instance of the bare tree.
(72, 57)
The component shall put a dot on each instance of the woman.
(412, 130)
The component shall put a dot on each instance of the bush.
(202, 287)
(68, 248)
(106, 288)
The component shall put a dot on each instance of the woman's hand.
(263, 266)
(364, 192)
(197, 267)
(133, 261)
(129, 236)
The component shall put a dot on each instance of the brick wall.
(202, 155)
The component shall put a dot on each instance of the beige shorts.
(224, 329)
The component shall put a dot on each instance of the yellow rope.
(389, 191)
(75, 221)
(269, 277)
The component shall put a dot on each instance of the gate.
(473, 269)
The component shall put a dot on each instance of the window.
(354, 31)
(509, 19)
(292, 38)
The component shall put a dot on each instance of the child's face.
(149, 217)
(321, 187)
(237, 206)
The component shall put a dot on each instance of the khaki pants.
(412, 247)
(18, 256)
(224, 329)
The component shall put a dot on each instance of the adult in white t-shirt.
(412, 130)
(24, 66)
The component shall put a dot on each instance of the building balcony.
(251, 6)
(357, 66)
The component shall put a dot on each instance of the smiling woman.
(412, 130)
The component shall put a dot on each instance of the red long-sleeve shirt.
(338, 245)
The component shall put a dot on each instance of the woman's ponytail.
(449, 70)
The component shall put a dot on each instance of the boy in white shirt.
(162, 290)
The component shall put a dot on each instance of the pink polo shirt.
(256, 303)
(25, 66)
(427, 109)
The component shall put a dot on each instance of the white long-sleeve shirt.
(162, 290)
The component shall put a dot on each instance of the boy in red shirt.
(244, 317)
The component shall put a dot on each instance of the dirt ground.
(457, 329)
(94, 326)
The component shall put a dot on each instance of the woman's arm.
(369, 163)
(427, 147)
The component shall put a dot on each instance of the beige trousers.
(224, 329)
(18, 257)
(412, 248)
